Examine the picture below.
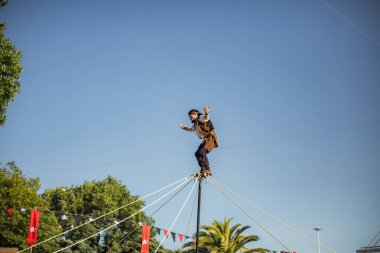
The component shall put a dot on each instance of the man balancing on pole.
(204, 129)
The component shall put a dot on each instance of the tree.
(19, 192)
(3, 2)
(221, 237)
(92, 199)
(10, 70)
(77, 203)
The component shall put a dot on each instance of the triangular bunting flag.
(158, 230)
(180, 237)
(78, 219)
(173, 235)
(166, 233)
(103, 221)
(128, 224)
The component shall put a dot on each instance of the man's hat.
(194, 111)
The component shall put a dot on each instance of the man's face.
(193, 116)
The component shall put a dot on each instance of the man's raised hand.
(183, 126)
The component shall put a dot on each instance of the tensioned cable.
(221, 148)
(306, 134)
(175, 220)
(377, 242)
(158, 209)
(125, 237)
(249, 215)
(358, 28)
(369, 244)
(150, 216)
(117, 223)
(272, 216)
(163, 188)
(111, 163)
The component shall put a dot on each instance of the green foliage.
(3, 2)
(221, 237)
(92, 199)
(18, 192)
(10, 70)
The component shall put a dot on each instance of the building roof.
(373, 249)
(8, 250)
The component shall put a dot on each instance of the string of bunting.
(66, 220)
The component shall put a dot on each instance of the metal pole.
(319, 245)
(198, 212)
(317, 228)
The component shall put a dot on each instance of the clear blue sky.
(110, 81)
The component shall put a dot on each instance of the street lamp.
(318, 228)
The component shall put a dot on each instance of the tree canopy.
(18, 192)
(3, 2)
(92, 199)
(63, 208)
(10, 70)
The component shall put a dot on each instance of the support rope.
(358, 28)
(175, 220)
(67, 231)
(273, 217)
(150, 216)
(158, 209)
(188, 179)
(370, 243)
(249, 215)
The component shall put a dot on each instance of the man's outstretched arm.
(184, 127)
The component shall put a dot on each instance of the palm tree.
(220, 237)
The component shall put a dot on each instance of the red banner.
(33, 226)
(145, 239)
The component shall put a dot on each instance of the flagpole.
(200, 177)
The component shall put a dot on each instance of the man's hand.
(183, 126)
(206, 108)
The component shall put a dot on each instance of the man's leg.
(201, 156)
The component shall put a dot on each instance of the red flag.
(145, 239)
(180, 237)
(33, 226)
(166, 233)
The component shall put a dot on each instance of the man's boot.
(207, 170)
